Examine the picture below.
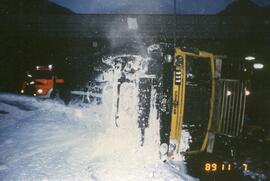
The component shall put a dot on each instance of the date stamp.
(222, 167)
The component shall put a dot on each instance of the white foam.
(54, 142)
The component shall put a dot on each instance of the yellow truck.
(196, 104)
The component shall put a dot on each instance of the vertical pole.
(175, 23)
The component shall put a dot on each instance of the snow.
(132, 23)
(46, 140)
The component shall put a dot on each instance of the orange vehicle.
(41, 82)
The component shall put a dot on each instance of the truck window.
(42, 74)
(197, 99)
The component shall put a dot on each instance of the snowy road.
(45, 140)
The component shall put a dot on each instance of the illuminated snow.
(45, 140)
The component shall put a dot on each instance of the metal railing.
(232, 101)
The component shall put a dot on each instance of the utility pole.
(175, 22)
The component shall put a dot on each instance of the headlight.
(229, 93)
(50, 67)
(250, 58)
(258, 66)
(22, 91)
(39, 91)
(247, 92)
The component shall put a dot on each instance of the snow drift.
(45, 140)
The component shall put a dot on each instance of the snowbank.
(55, 142)
(45, 140)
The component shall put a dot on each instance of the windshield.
(41, 74)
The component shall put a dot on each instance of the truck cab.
(42, 82)
(197, 104)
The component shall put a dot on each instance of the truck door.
(193, 99)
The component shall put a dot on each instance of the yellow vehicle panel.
(179, 96)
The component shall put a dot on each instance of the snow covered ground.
(45, 140)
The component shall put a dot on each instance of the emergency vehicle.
(41, 82)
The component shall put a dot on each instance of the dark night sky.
(149, 6)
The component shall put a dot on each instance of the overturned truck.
(193, 103)
(196, 105)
